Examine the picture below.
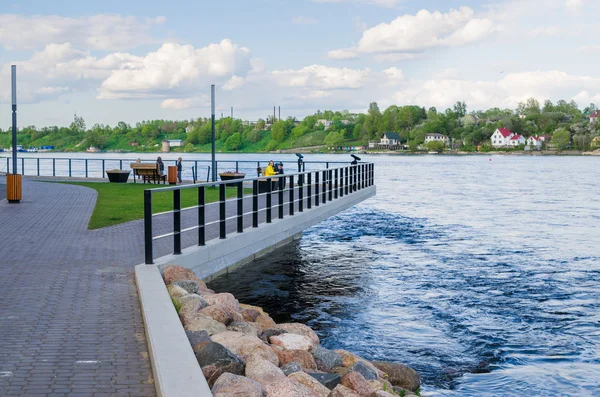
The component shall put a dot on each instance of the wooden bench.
(263, 183)
(148, 171)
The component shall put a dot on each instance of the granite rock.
(215, 359)
(310, 382)
(204, 323)
(230, 385)
(292, 341)
(243, 327)
(190, 309)
(343, 391)
(302, 357)
(367, 372)
(198, 339)
(173, 273)
(217, 313)
(326, 360)
(358, 383)
(300, 329)
(246, 346)
(400, 375)
(290, 368)
(330, 381)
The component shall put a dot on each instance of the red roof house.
(505, 132)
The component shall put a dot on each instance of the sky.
(134, 60)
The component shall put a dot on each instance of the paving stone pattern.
(70, 320)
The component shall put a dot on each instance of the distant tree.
(78, 124)
(436, 146)
(188, 148)
(530, 106)
(253, 136)
(279, 131)
(260, 124)
(460, 108)
(561, 138)
(234, 142)
(334, 139)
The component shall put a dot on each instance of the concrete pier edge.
(175, 368)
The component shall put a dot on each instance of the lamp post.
(212, 120)
(14, 181)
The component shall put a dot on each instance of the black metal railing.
(297, 191)
(192, 169)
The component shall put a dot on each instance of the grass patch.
(120, 202)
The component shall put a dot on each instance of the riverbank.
(241, 349)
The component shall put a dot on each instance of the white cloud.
(414, 34)
(322, 77)
(305, 21)
(185, 103)
(233, 83)
(98, 32)
(176, 68)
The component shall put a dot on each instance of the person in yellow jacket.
(270, 171)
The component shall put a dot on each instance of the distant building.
(189, 128)
(387, 141)
(517, 140)
(595, 142)
(326, 123)
(535, 142)
(594, 116)
(501, 137)
(436, 137)
(174, 142)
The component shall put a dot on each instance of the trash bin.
(172, 175)
(14, 188)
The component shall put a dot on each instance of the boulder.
(367, 372)
(381, 384)
(310, 382)
(383, 393)
(216, 359)
(250, 314)
(399, 391)
(243, 327)
(172, 273)
(177, 292)
(266, 334)
(292, 341)
(250, 307)
(217, 313)
(204, 323)
(302, 357)
(230, 385)
(198, 339)
(330, 381)
(185, 298)
(290, 368)
(246, 346)
(349, 359)
(190, 286)
(274, 381)
(265, 322)
(400, 375)
(300, 329)
(191, 309)
(226, 300)
(326, 360)
(358, 383)
(343, 391)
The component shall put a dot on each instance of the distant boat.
(432, 152)
(31, 150)
(92, 149)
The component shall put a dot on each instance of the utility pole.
(14, 181)
(232, 113)
(279, 112)
(212, 117)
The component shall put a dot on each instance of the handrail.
(335, 184)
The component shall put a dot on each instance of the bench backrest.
(144, 166)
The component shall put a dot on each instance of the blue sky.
(137, 60)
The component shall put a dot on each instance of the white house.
(174, 142)
(535, 142)
(436, 137)
(388, 140)
(501, 137)
(594, 116)
(326, 123)
(517, 140)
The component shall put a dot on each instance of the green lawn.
(120, 202)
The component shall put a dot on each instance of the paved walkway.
(70, 321)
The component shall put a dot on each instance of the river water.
(483, 273)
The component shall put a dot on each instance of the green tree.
(279, 131)
(260, 124)
(234, 142)
(436, 146)
(334, 139)
(188, 148)
(460, 108)
(562, 139)
(530, 106)
(253, 136)
(78, 124)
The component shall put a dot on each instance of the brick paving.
(70, 321)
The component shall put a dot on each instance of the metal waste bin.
(172, 175)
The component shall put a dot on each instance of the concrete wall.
(219, 256)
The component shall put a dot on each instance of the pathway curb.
(175, 368)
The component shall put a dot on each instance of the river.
(483, 273)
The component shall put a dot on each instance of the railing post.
(222, 198)
(291, 193)
(54, 167)
(255, 203)
(240, 207)
(280, 196)
(359, 177)
(38, 167)
(301, 196)
(177, 222)
(316, 188)
(148, 227)
(309, 191)
(201, 216)
(237, 169)
(353, 176)
(269, 198)
(327, 165)
(120, 164)
(336, 191)
(8, 165)
(86, 168)
(22, 166)
(69, 168)
(103, 170)
(364, 176)
(342, 185)
(324, 187)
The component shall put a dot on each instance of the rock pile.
(243, 352)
